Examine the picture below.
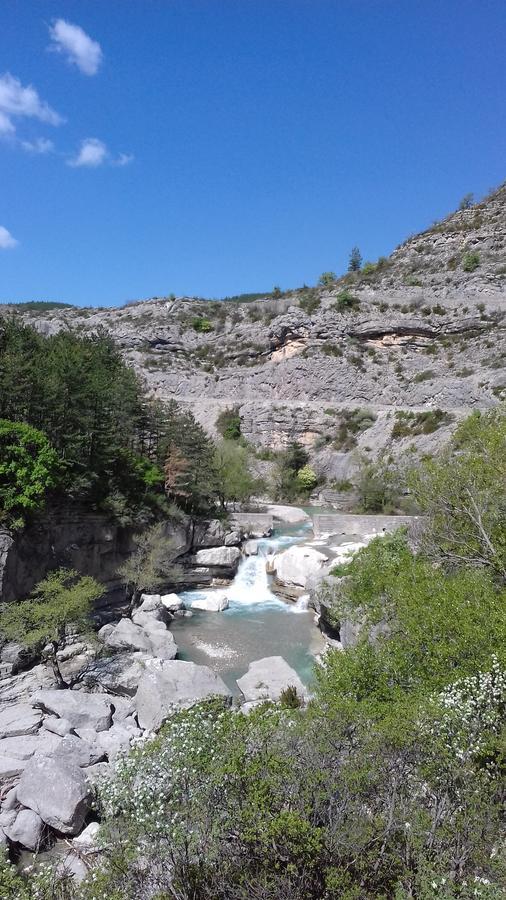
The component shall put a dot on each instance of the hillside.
(421, 330)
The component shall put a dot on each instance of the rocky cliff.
(421, 330)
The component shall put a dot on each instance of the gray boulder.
(24, 746)
(80, 752)
(116, 741)
(57, 790)
(216, 602)
(118, 674)
(10, 768)
(267, 678)
(80, 709)
(152, 638)
(172, 602)
(218, 556)
(297, 565)
(57, 726)
(27, 829)
(19, 719)
(168, 685)
(250, 548)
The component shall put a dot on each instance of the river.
(257, 622)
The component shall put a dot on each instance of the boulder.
(27, 829)
(116, 741)
(291, 515)
(154, 640)
(213, 603)
(218, 556)
(172, 602)
(123, 710)
(87, 841)
(97, 773)
(19, 689)
(250, 548)
(15, 657)
(19, 719)
(10, 768)
(118, 674)
(267, 678)
(80, 752)
(297, 565)
(57, 726)
(233, 538)
(168, 685)
(24, 746)
(56, 790)
(10, 801)
(80, 709)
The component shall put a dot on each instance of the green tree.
(307, 478)
(63, 598)
(467, 201)
(190, 476)
(28, 468)
(327, 279)
(355, 262)
(235, 482)
(228, 424)
(462, 494)
(151, 564)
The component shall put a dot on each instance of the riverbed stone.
(172, 602)
(118, 674)
(218, 556)
(80, 709)
(213, 603)
(87, 841)
(290, 515)
(250, 548)
(24, 746)
(169, 685)
(57, 726)
(297, 565)
(20, 718)
(27, 829)
(267, 678)
(57, 790)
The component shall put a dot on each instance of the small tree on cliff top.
(62, 598)
(151, 562)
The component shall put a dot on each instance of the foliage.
(462, 494)
(355, 262)
(63, 598)
(190, 476)
(28, 469)
(467, 201)
(379, 485)
(91, 407)
(310, 301)
(228, 424)
(235, 482)
(345, 300)
(408, 424)
(287, 485)
(150, 565)
(289, 698)
(202, 324)
(327, 279)
(352, 423)
(42, 305)
(307, 478)
(470, 261)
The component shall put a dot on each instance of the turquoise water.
(257, 623)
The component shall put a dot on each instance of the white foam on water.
(216, 651)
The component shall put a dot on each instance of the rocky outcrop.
(267, 678)
(167, 686)
(296, 565)
(57, 791)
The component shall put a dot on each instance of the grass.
(408, 424)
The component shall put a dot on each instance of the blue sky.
(212, 147)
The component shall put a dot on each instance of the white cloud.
(17, 101)
(92, 153)
(7, 242)
(124, 159)
(39, 145)
(77, 46)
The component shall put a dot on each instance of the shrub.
(327, 279)
(228, 424)
(289, 698)
(309, 302)
(307, 478)
(426, 375)
(470, 261)
(345, 301)
(202, 324)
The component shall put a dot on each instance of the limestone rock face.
(267, 678)
(57, 791)
(298, 564)
(168, 685)
(218, 556)
(80, 709)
